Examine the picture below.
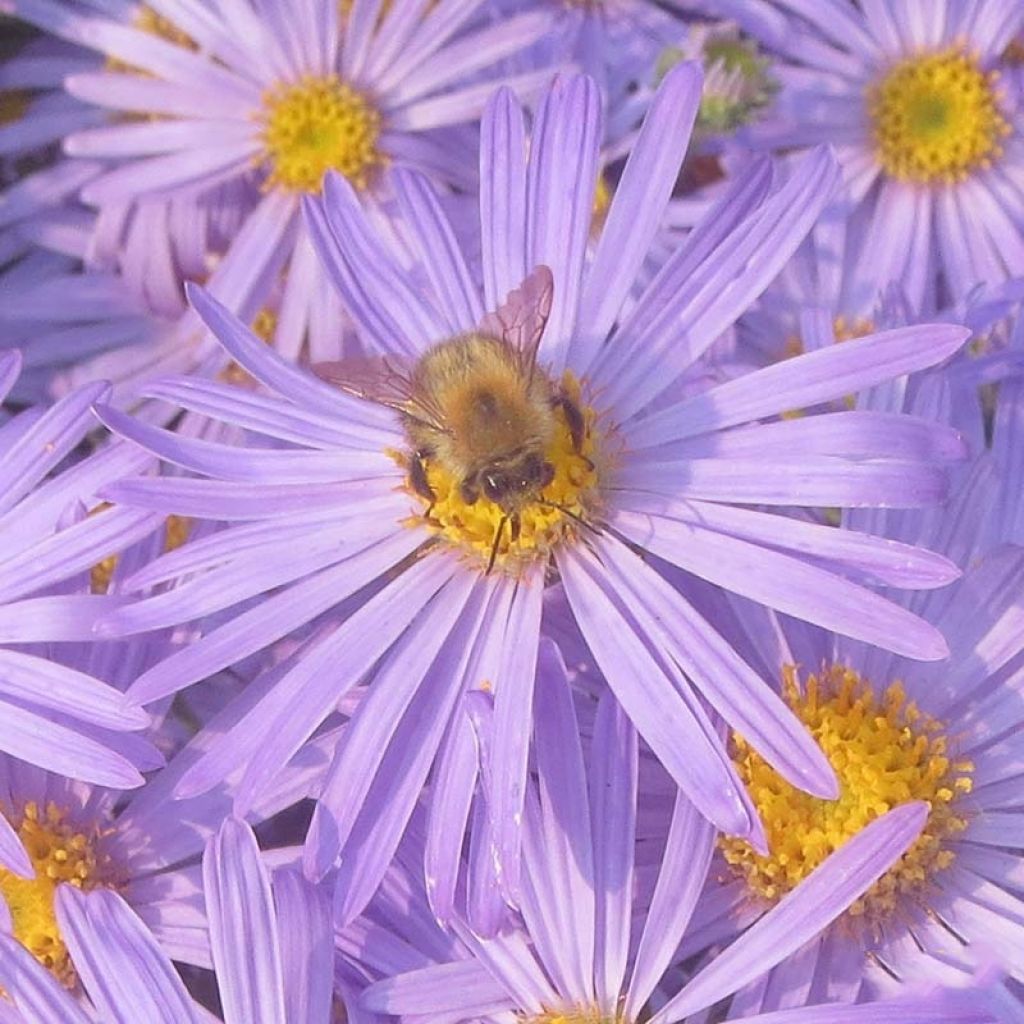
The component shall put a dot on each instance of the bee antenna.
(494, 546)
(576, 517)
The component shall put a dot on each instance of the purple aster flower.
(123, 971)
(895, 730)
(930, 145)
(264, 99)
(270, 938)
(601, 919)
(63, 715)
(334, 516)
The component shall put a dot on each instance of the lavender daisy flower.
(267, 98)
(895, 730)
(930, 146)
(61, 716)
(348, 520)
(124, 972)
(588, 951)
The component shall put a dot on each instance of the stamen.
(61, 851)
(886, 752)
(935, 118)
(316, 125)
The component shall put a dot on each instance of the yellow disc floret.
(935, 118)
(577, 1016)
(317, 125)
(61, 851)
(570, 498)
(176, 531)
(885, 752)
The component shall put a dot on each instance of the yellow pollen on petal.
(176, 531)
(573, 492)
(885, 752)
(60, 851)
(316, 125)
(935, 118)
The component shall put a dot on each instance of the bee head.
(508, 483)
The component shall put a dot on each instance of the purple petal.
(127, 975)
(32, 989)
(812, 906)
(243, 927)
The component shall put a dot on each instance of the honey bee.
(478, 406)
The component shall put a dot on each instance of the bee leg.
(573, 420)
(515, 523)
(420, 483)
(497, 542)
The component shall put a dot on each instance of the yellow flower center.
(60, 852)
(935, 118)
(602, 203)
(569, 498)
(317, 125)
(577, 1016)
(885, 752)
(176, 531)
(264, 325)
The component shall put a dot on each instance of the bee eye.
(494, 486)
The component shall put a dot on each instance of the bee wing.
(521, 319)
(378, 380)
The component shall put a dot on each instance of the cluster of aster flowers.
(511, 511)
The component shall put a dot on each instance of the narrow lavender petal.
(558, 886)
(561, 179)
(273, 618)
(243, 927)
(46, 442)
(791, 585)
(13, 856)
(372, 728)
(805, 381)
(56, 748)
(361, 247)
(303, 426)
(463, 986)
(812, 481)
(439, 250)
(258, 465)
(948, 1008)
(873, 560)
(287, 379)
(637, 208)
(307, 954)
(513, 703)
(403, 773)
(678, 732)
(10, 368)
(33, 990)
(723, 287)
(828, 891)
(311, 691)
(681, 877)
(48, 684)
(502, 196)
(127, 975)
(79, 547)
(356, 289)
(614, 781)
(721, 676)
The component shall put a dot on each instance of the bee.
(478, 406)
